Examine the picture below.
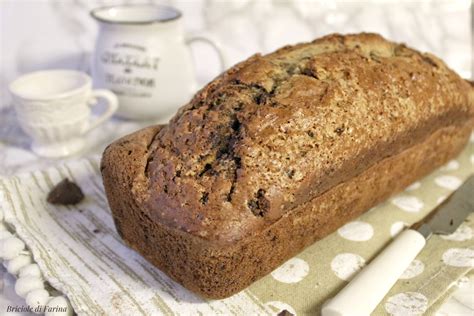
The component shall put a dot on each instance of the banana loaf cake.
(278, 152)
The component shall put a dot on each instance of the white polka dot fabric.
(408, 303)
(356, 231)
(117, 281)
(292, 271)
(415, 268)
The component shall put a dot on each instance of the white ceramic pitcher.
(142, 55)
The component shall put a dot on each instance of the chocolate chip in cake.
(65, 193)
(260, 98)
(253, 206)
(204, 198)
(339, 130)
(291, 173)
(206, 168)
(260, 205)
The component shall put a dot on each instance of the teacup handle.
(213, 43)
(111, 103)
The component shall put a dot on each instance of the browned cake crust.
(280, 151)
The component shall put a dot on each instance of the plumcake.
(278, 152)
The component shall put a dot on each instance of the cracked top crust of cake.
(278, 130)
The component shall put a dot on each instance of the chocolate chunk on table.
(65, 193)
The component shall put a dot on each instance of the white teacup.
(54, 108)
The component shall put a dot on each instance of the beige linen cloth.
(81, 255)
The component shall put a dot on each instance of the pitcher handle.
(211, 42)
